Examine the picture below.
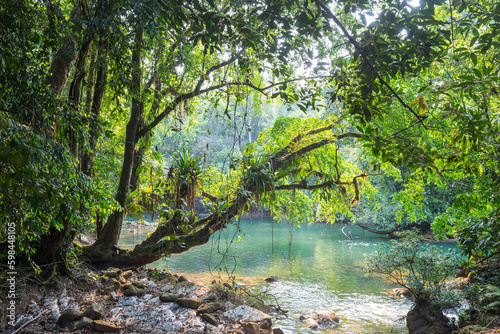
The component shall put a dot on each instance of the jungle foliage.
(400, 125)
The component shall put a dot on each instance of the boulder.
(112, 272)
(189, 303)
(132, 290)
(140, 285)
(182, 279)
(111, 285)
(94, 311)
(426, 318)
(250, 328)
(186, 286)
(169, 297)
(82, 323)
(127, 274)
(278, 331)
(272, 279)
(169, 280)
(104, 327)
(149, 284)
(246, 313)
(209, 308)
(321, 320)
(68, 317)
(209, 318)
(263, 307)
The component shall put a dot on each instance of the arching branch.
(366, 60)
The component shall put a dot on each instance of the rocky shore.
(145, 301)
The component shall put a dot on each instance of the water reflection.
(322, 272)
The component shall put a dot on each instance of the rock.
(150, 284)
(83, 323)
(278, 331)
(321, 320)
(251, 328)
(104, 327)
(169, 297)
(128, 301)
(272, 279)
(111, 285)
(211, 297)
(182, 279)
(263, 307)
(426, 318)
(112, 272)
(127, 274)
(140, 285)
(94, 311)
(189, 302)
(122, 280)
(68, 317)
(211, 329)
(113, 295)
(209, 318)
(131, 290)
(209, 308)
(246, 313)
(55, 313)
(147, 297)
(64, 303)
(169, 280)
(185, 286)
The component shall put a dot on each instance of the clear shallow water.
(322, 272)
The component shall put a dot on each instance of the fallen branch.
(29, 322)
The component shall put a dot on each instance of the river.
(321, 267)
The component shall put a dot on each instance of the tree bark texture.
(112, 229)
(87, 161)
(63, 60)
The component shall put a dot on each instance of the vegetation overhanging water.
(322, 271)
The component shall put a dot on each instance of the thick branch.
(278, 160)
(183, 97)
(299, 137)
(365, 58)
(364, 227)
(304, 186)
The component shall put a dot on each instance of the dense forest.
(383, 114)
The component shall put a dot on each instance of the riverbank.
(139, 301)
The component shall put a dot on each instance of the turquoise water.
(322, 271)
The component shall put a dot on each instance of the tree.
(149, 60)
(421, 269)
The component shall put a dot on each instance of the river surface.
(321, 267)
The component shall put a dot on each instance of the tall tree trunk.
(87, 161)
(110, 233)
(63, 59)
(100, 86)
(139, 153)
(75, 89)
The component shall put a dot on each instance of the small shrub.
(419, 267)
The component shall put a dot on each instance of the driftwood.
(364, 227)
